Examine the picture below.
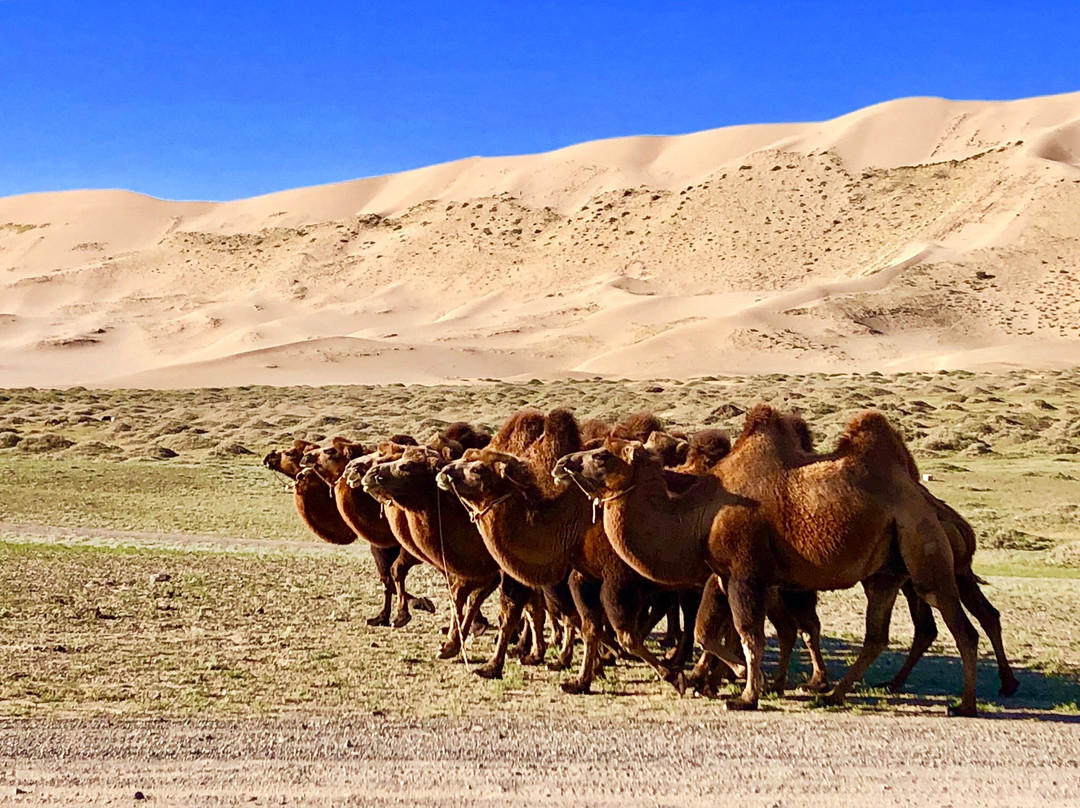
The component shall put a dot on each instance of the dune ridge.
(911, 235)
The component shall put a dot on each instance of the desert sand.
(917, 234)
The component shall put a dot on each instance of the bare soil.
(747, 760)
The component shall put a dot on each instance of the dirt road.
(756, 760)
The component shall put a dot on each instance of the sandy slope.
(919, 233)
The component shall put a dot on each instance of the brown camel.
(287, 461)
(539, 532)
(363, 515)
(799, 451)
(434, 527)
(790, 611)
(855, 516)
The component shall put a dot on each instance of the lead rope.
(449, 589)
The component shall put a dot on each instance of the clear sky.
(220, 100)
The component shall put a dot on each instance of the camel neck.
(662, 537)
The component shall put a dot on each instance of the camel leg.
(565, 657)
(747, 599)
(881, 591)
(922, 617)
(689, 603)
(586, 594)
(473, 616)
(947, 602)
(990, 620)
(715, 632)
(673, 630)
(513, 596)
(459, 596)
(398, 572)
(560, 604)
(787, 631)
(537, 621)
(622, 595)
(802, 606)
(384, 562)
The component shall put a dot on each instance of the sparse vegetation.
(115, 609)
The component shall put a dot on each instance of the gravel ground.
(759, 760)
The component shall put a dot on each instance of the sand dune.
(915, 234)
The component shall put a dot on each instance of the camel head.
(288, 461)
(403, 480)
(389, 450)
(330, 461)
(482, 476)
(610, 468)
(671, 448)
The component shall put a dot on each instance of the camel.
(363, 515)
(434, 527)
(539, 532)
(287, 461)
(799, 450)
(853, 516)
(790, 611)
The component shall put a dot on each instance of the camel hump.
(467, 435)
(637, 427)
(519, 432)
(869, 434)
(759, 418)
(801, 430)
(594, 429)
(707, 448)
(561, 437)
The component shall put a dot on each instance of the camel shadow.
(936, 681)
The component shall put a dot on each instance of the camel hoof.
(449, 651)
(401, 619)
(814, 686)
(575, 688)
(532, 660)
(379, 620)
(422, 604)
(739, 703)
(558, 665)
(832, 699)
(962, 710)
(489, 671)
(776, 688)
(1009, 687)
(677, 680)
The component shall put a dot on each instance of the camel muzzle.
(444, 481)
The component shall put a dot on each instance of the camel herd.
(608, 529)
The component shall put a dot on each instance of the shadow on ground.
(937, 681)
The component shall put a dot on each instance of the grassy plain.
(150, 565)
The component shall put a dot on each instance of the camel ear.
(501, 468)
(629, 451)
(447, 452)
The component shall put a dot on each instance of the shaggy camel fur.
(855, 516)
(799, 451)
(311, 494)
(434, 526)
(364, 516)
(789, 611)
(538, 532)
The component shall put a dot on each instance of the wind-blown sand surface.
(912, 235)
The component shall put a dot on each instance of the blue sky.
(220, 100)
